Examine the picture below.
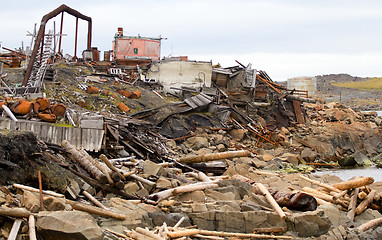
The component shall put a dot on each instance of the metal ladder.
(39, 67)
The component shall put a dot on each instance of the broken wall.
(181, 73)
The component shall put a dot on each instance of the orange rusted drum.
(120, 91)
(43, 102)
(104, 92)
(21, 107)
(47, 117)
(123, 107)
(92, 90)
(58, 109)
(126, 94)
(136, 95)
(3, 103)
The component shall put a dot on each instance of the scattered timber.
(77, 156)
(354, 183)
(271, 200)
(214, 156)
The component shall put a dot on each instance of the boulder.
(361, 159)
(266, 157)
(170, 219)
(163, 183)
(53, 203)
(136, 215)
(309, 224)
(195, 196)
(151, 168)
(347, 161)
(238, 134)
(131, 187)
(308, 155)
(66, 225)
(236, 221)
(220, 147)
(289, 157)
(196, 143)
(31, 201)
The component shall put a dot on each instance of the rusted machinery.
(41, 34)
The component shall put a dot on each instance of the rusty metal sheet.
(298, 112)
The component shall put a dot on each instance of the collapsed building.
(175, 142)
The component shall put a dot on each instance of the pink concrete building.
(135, 48)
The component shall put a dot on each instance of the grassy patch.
(62, 125)
(372, 84)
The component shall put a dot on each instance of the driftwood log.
(192, 232)
(32, 228)
(353, 204)
(95, 210)
(77, 156)
(95, 201)
(103, 168)
(327, 186)
(365, 203)
(111, 166)
(15, 229)
(157, 197)
(354, 183)
(370, 224)
(31, 189)
(271, 200)
(296, 201)
(14, 212)
(214, 156)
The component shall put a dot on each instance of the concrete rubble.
(102, 150)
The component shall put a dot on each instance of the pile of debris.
(170, 197)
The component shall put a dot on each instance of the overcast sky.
(284, 38)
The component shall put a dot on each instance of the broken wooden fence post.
(271, 200)
(214, 156)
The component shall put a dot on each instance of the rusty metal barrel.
(21, 107)
(123, 107)
(58, 109)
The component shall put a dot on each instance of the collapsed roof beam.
(41, 32)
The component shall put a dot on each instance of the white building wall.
(181, 73)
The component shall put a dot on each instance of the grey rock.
(171, 219)
(361, 159)
(308, 155)
(236, 221)
(196, 143)
(63, 225)
(310, 224)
